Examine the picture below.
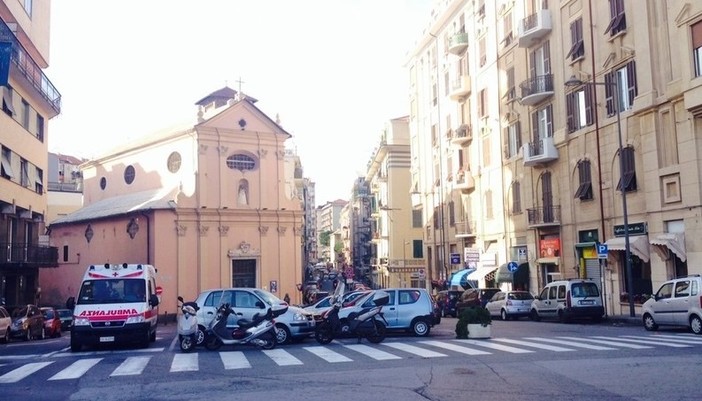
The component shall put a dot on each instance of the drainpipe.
(148, 237)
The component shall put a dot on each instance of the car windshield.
(64, 313)
(520, 296)
(21, 312)
(585, 290)
(112, 291)
(48, 314)
(268, 298)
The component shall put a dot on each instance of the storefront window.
(641, 279)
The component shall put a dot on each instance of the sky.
(332, 70)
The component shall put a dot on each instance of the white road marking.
(682, 340)
(500, 347)
(374, 353)
(282, 357)
(76, 369)
(328, 355)
(234, 360)
(606, 342)
(643, 341)
(456, 348)
(111, 352)
(533, 344)
(133, 365)
(23, 371)
(571, 343)
(184, 363)
(414, 350)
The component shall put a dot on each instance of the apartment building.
(29, 101)
(577, 121)
(397, 250)
(327, 223)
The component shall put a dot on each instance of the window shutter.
(697, 35)
(609, 93)
(549, 121)
(547, 57)
(535, 126)
(589, 101)
(631, 80)
(569, 112)
(518, 129)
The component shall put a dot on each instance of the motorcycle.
(369, 322)
(188, 333)
(260, 330)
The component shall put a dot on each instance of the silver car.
(294, 325)
(510, 304)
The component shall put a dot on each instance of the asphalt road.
(523, 360)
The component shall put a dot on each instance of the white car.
(510, 304)
(324, 304)
(294, 325)
(676, 303)
(5, 321)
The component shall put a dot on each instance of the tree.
(324, 237)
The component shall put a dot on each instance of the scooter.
(188, 333)
(369, 322)
(258, 331)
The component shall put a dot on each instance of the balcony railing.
(464, 181)
(536, 89)
(460, 87)
(18, 254)
(534, 27)
(30, 70)
(540, 151)
(462, 135)
(458, 43)
(544, 216)
(465, 229)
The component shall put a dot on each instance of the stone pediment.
(244, 250)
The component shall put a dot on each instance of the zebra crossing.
(340, 352)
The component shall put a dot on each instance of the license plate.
(586, 302)
(109, 339)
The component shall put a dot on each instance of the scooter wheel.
(212, 343)
(324, 333)
(378, 334)
(186, 344)
(269, 340)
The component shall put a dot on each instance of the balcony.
(536, 89)
(28, 72)
(460, 87)
(533, 28)
(464, 181)
(462, 135)
(541, 151)
(458, 43)
(465, 229)
(22, 255)
(544, 216)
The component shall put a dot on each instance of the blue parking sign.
(602, 251)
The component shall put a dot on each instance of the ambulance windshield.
(112, 291)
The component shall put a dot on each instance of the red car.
(52, 321)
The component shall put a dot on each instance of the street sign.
(512, 266)
(422, 274)
(602, 251)
(455, 258)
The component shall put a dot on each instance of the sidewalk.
(625, 319)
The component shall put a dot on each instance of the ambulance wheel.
(152, 338)
(75, 345)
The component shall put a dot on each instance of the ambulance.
(116, 303)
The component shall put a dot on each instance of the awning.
(481, 272)
(674, 242)
(638, 245)
(503, 274)
(458, 279)
(552, 261)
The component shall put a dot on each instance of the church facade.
(210, 203)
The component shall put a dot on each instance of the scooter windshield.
(338, 291)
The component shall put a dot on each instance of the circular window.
(103, 183)
(241, 162)
(129, 174)
(174, 161)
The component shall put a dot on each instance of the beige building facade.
(29, 101)
(549, 179)
(211, 203)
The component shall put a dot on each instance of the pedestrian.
(286, 298)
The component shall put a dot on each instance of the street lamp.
(573, 82)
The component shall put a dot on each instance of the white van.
(568, 299)
(117, 303)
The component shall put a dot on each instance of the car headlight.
(135, 319)
(16, 324)
(300, 317)
(81, 321)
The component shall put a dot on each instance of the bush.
(472, 315)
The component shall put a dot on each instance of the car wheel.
(28, 335)
(282, 334)
(75, 345)
(649, 323)
(503, 315)
(43, 333)
(534, 315)
(696, 324)
(200, 335)
(152, 336)
(421, 328)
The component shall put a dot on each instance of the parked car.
(66, 316)
(294, 325)
(678, 302)
(27, 323)
(510, 304)
(568, 299)
(475, 297)
(5, 321)
(446, 300)
(52, 321)
(409, 309)
(324, 304)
